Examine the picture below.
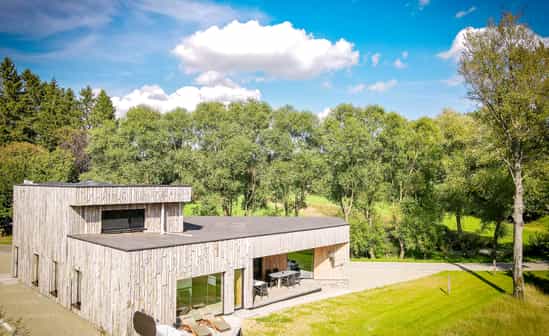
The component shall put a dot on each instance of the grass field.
(478, 304)
(5, 240)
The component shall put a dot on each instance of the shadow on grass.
(540, 283)
(481, 278)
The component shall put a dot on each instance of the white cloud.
(214, 78)
(453, 81)
(382, 86)
(404, 54)
(399, 64)
(187, 97)
(200, 12)
(327, 84)
(322, 115)
(375, 59)
(356, 88)
(38, 19)
(463, 13)
(458, 45)
(278, 50)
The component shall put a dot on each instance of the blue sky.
(312, 55)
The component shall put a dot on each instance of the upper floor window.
(122, 220)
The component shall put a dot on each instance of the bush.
(538, 246)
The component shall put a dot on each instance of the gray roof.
(92, 184)
(211, 228)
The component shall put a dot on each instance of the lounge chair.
(191, 325)
(216, 322)
(144, 324)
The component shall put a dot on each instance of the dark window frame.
(123, 220)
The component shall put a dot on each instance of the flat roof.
(94, 184)
(204, 229)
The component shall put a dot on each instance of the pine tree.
(87, 103)
(10, 102)
(102, 111)
(33, 93)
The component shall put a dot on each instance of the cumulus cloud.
(214, 78)
(200, 12)
(423, 3)
(186, 97)
(375, 59)
(399, 64)
(356, 88)
(278, 50)
(36, 18)
(382, 86)
(463, 13)
(404, 54)
(458, 45)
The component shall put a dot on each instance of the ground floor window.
(204, 293)
(54, 272)
(35, 268)
(238, 285)
(16, 261)
(302, 261)
(77, 288)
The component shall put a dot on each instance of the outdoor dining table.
(282, 274)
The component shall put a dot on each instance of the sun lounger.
(218, 323)
(195, 328)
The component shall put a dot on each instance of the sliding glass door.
(204, 293)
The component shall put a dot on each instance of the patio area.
(276, 294)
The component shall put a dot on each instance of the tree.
(24, 161)
(505, 69)
(351, 144)
(87, 104)
(102, 110)
(11, 106)
(459, 134)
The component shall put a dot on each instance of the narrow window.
(77, 303)
(35, 269)
(54, 279)
(15, 262)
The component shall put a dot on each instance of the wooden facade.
(115, 283)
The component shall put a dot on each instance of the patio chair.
(297, 278)
(191, 325)
(261, 291)
(217, 322)
(289, 281)
(271, 282)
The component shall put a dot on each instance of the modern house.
(105, 251)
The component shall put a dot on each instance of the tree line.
(246, 157)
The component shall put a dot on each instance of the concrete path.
(369, 275)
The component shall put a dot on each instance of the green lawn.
(5, 240)
(479, 304)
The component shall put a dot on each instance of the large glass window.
(204, 293)
(35, 269)
(238, 285)
(302, 261)
(122, 220)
